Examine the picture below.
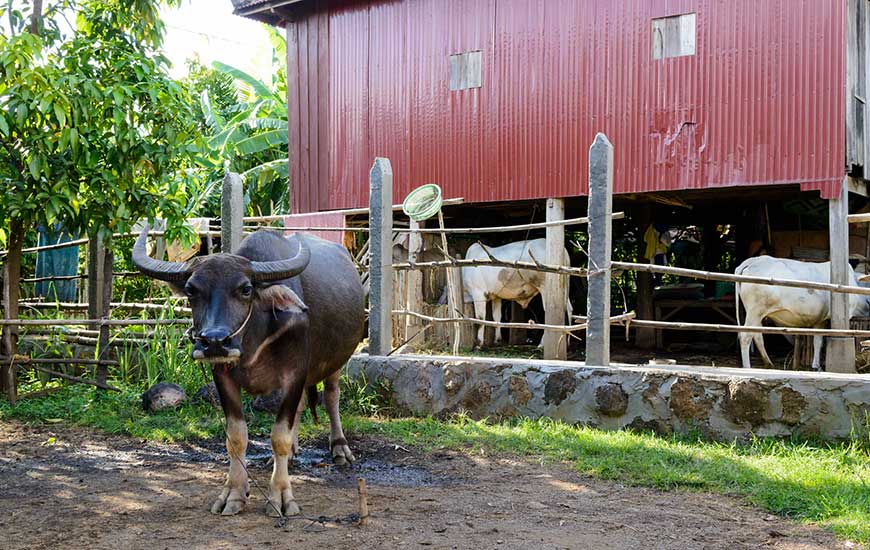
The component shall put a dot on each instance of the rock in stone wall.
(720, 403)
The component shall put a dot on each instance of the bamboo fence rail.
(716, 276)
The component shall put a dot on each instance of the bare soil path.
(66, 487)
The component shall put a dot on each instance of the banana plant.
(253, 140)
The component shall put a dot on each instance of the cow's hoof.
(230, 502)
(284, 502)
(341, 454)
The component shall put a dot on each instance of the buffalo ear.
(282, 299)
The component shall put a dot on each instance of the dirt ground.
(72, 488)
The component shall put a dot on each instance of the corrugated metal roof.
(761, 102)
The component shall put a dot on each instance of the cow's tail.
(312, 402)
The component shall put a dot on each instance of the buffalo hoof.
(341, 454)
(229, 503)
(284, 502)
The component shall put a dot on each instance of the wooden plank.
(294, 108)
(556, 285)
(852, 142)
(304, 121)
(322, 87)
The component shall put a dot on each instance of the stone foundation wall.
(721, 403)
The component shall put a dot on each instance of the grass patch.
(826, 484)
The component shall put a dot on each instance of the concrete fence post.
(381, 262)
(232, 212)
(600, 213)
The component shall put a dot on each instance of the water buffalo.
(277, 314)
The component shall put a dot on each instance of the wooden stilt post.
(600, 213)
(645, 338)
(232, 212)
(556, 288)
(840, 356)
(517, 335)
(381, 257)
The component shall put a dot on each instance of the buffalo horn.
(281, 269)
(171, 272)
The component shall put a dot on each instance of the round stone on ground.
(162, 396)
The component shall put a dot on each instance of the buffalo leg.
(281, 501)
(236, 489)
(337, 443)
(294, 431)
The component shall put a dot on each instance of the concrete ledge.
(721, 403)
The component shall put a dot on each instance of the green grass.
(825, 484)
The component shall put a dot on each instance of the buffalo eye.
(246, 290)
(190, 291)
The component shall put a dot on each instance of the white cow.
(787, 306)
(495, 283)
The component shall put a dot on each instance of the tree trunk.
(11, 293)
(36, 17)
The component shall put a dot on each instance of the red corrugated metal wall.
(761, 101)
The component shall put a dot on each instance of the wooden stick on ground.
(363, 501)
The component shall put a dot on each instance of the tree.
(93, 133)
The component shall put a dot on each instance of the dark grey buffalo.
(278, 314)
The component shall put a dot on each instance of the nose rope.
(244, 323)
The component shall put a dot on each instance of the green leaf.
(60, 114)
(33, 166)
(262, 142)
(4, 126)
(259, 88)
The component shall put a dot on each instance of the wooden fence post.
(414, 285)
(840, 354)
(556, 288)
(381, 257)
(100, 296)
(232, 211)
(600, 213)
